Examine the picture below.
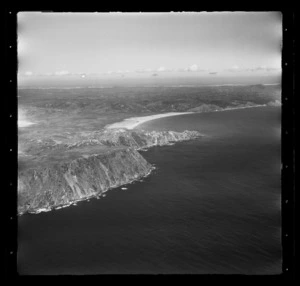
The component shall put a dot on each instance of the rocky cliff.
(43, 188)
(53, 174)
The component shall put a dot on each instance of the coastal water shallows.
(212, 205)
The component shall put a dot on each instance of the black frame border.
(288, 141)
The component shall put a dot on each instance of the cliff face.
(90, 175)
(53, 174)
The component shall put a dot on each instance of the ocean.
(212, 206)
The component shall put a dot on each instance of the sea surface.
(211, 206)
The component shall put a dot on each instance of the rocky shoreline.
(74, 203)
(101, 161)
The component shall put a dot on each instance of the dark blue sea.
(211, 206)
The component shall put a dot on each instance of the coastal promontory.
(54, 174)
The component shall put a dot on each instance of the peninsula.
(53, 175)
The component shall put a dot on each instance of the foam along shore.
(132, 122)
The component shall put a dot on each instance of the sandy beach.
(132, 122)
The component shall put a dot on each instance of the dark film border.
(287, 139)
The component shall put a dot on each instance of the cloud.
(180, 70)
(122, 71)
(62, 72)
(253, 69)
(192, 68)
(28, 73)
(118, 72)
(263, 68)
(161, 69)
(234, 68)
(144, 70)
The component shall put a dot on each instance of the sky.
(131, 44)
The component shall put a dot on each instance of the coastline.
(133, 122)
(74, 203)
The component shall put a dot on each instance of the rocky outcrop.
(56, 174)
(135, 139)
(44, 188)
